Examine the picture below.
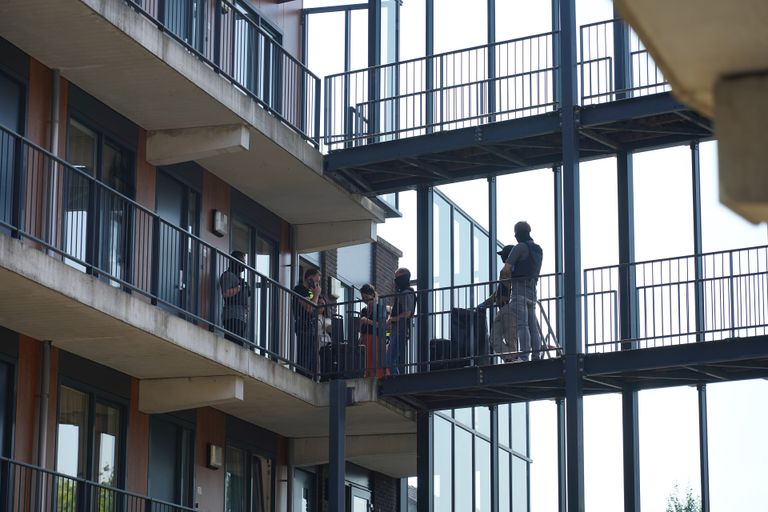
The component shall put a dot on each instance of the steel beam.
(703, 447)
(424, 462)
(337, 416)
(493, 230)
(425, 199)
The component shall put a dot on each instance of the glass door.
(10, 118)
(178, 207)
(304, 491)
(359, 500)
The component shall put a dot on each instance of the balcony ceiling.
(120, 57)
(696, 42)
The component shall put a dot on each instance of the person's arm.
(519, 253)
(229, 287)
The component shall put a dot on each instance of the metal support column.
(574, 413)
(493, 231)
(491, 64)
(424, 267)
(562, 477)
(424, 462)
(337, 416)
(557, 186)
(374, 59)
(700, 324)
(495, 458)
(429, 77)
(622, 71)
(628, 327)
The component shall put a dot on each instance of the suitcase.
(442, 355)
(469, 332)
(342, 361)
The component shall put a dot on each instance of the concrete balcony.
(194, 109)
(46, 299)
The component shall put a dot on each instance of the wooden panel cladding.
(39, 104)
(138, 444)
(28, 401)
(211, 428)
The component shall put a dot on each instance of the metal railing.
(94, 228)
(605, 76)
(228, 37)
(697, 298)
(30, 488)
(451, 328)
(451, 90)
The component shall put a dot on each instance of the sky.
(663, 228)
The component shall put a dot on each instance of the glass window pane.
(504, 425)
(235, 482)
(442, 243)
(262, 483)
(443, 467)
(464, 416)
(482, 475)
(519, 428)
(519, 484)
(504, 482)
(481, 270)
(483, 420)
(462, 251)
(107, 424)
(463, 472)
(72, 432)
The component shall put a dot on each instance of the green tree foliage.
(689, 503)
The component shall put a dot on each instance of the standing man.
(399, 321)
(235, 292)
(305, 321)
(524, 263)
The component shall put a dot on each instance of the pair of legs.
(235, 326)
(527, 326)
(395, 356)
(504, 333)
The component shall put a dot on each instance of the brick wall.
(328, 266)
(385, 261)
(385, 490)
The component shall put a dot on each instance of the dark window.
(247, 481)
(171, 458)
(11, 97)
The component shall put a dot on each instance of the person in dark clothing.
(305, 321)
(399, 321)
(524, 263)
(235, 292)
(504, 328)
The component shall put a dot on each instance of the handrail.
(36, 488)
(292, 94)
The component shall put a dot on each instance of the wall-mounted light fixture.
(220, 223)
(215, 456)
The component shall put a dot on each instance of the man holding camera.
(305, 321)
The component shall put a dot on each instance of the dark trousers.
(306, 347)
(236, 327)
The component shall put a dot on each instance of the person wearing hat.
(503, 329)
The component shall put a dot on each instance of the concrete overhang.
(715, 56)
(48, 300)
(120, 57)
(393, 454)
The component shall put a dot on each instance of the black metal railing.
(451, 327)
(229, 38)
(606, 76)
(697, 298)
(96, 229)
(451, 90)
(30, 488)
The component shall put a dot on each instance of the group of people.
(313, 325)
(515, 333)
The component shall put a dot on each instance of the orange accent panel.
(138, 444)
(211, 428)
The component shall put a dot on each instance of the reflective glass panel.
(235, 482)
(519, 484)
(463, 480)
(519, 427)
(482, 475)
(443, 467)
(72, 435)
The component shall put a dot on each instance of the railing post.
(622, 77)
(212, 309)
(17, 201)
(316, 137)
(155, 263)
(91, 229)
(217, 33)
